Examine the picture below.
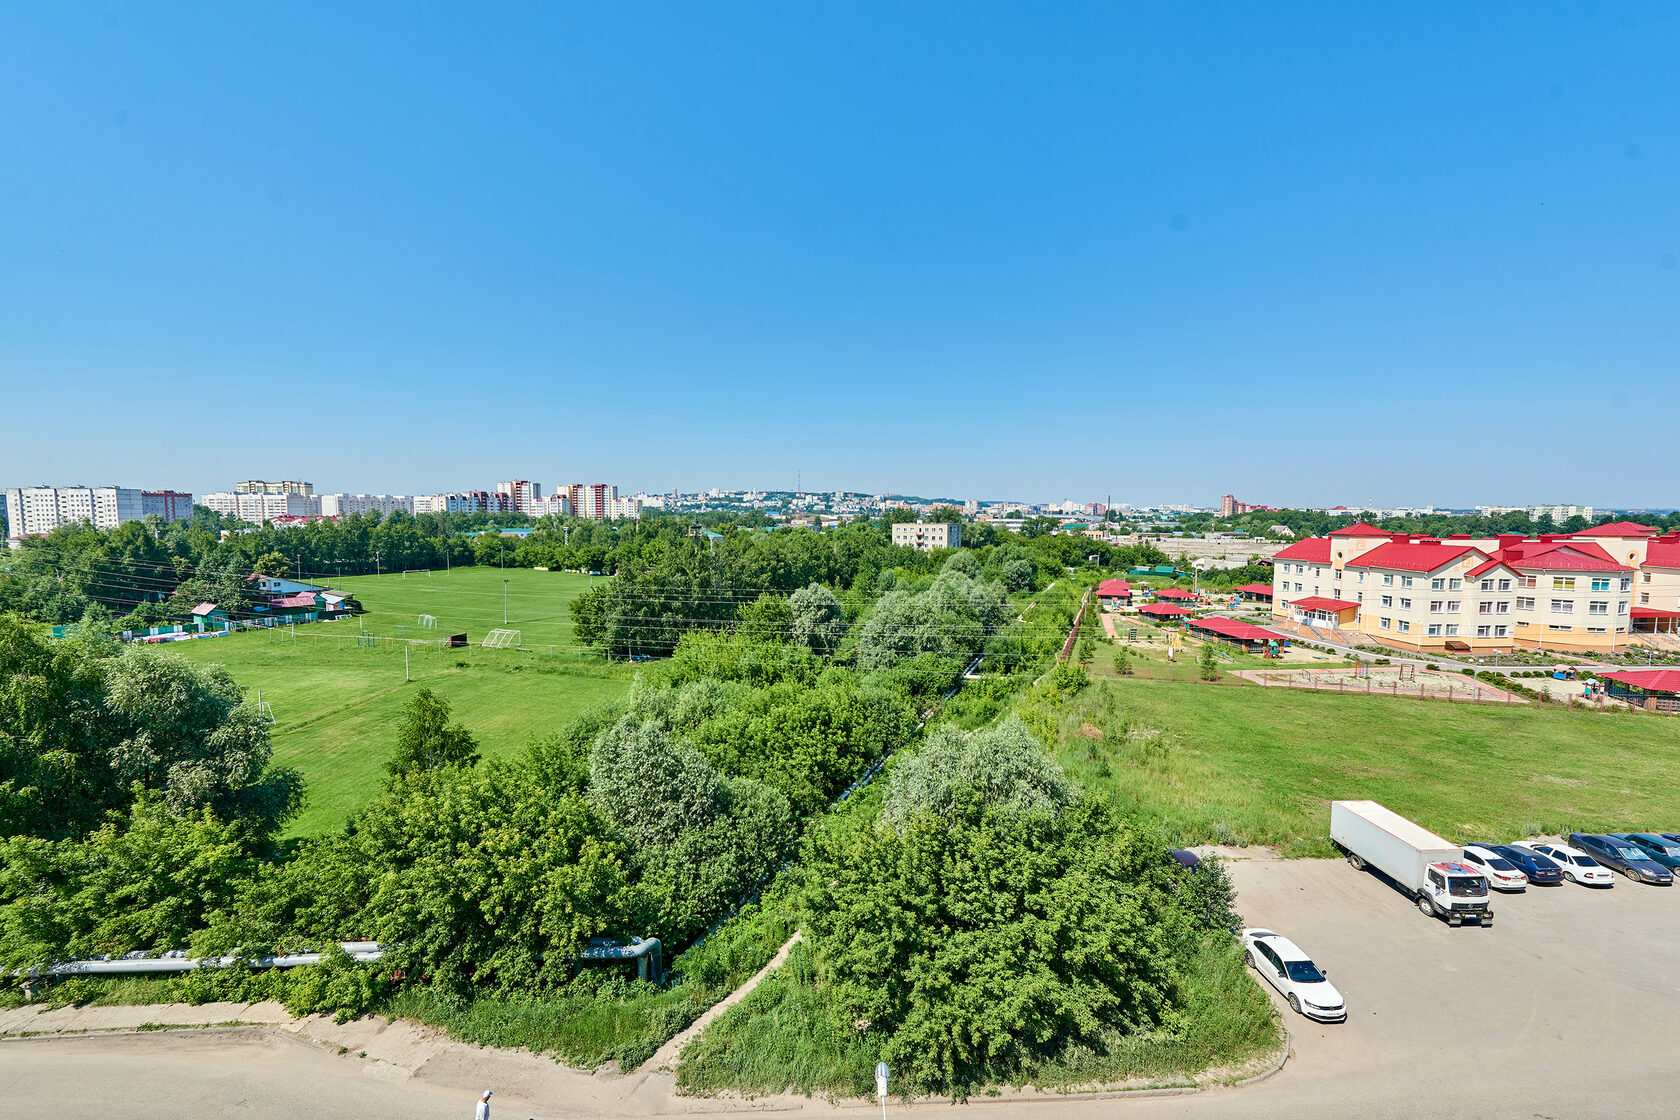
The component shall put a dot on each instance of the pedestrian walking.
(483, 1110)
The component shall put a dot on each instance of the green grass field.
(471, 600)
(1261, 765)
(336, 704)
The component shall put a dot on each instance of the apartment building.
(167, 505)
(554, 505)
(1460, 594)
(36, 510)
(927, 535)
(257, 506)
(589, 499)
(258, 486)
(520, 495)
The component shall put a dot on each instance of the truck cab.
(1455, 892)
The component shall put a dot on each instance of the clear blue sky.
(1414, 253)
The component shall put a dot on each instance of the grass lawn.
(336, 705)
(1261, 765)
(471, 600)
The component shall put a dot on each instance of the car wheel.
(1426, 907)
(1295, 1003)
(1631, 873)
(1248, 958)
(1356, 863)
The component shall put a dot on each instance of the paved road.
(1569, 1006)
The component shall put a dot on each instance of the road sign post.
(881, 1075)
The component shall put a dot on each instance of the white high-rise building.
(623, 507)
(34, 510)
(259, 507)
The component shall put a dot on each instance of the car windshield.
(1501, 864)
(1466, 885)
(1303, 972)
(1632, 853)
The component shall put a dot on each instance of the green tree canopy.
(426, 740)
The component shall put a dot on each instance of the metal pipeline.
(176, 961)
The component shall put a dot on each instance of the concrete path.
(665, 1057)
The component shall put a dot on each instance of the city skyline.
(1344, 256)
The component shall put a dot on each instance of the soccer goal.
(427, 572)
(501, 639)
(428, 622)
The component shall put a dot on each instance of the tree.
(819, 622)
(272, 564)
(1004, 764)
(1019, 573)
(769, 616)
(1123, 661)
(975, 942)
(426, 740)
(1087, 651)
(1208, 661)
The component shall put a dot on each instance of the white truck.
(1422, 863)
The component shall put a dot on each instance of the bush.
(1004, 763)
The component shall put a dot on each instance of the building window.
(1601, 583)
(1388, 600)
(1405, 604)
(1388, 579)
(1437, 585)
(1502, 631)
(1435, 630)
(1487, 585)
(1484, 631)
(1644, 577)
(1435, 606)
(1454, 606)
(1359, 596)
(1297, 587)
(1383, 622)
(1484, 608)
(1621, 607)
(1563, 583)
(1528, 581)
(1563, 606)
(1627, 583)
(1644, 598)
(1525, 602)
(1597, 630)
(1598, 606)
(1555, 626)
(1405, 627)
(1452, 629)
(1504, 585)
(1405, 581)
(1455, 585)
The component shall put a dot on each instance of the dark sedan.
(1619, 855)
(1660, 849)
(1540, 870)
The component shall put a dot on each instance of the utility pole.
(504, 601)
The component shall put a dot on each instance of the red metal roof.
(301, 599)
(1425, 555)
(1663, 553)
(1319, 603)
(1174, 593)
(1231, 628)
(1359, 529)
(1113, 588)
(1654, 612)
(1618, 529)
(1579, 556)
(1162, 610)
(204, 608)
(1315, 550)
(1256, 588)
(1653, 680)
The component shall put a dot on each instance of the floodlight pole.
(504, 601)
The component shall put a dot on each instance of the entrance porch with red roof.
(1650, 620)
(1255, 592)
(1315, 610)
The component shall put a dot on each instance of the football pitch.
(336, 700)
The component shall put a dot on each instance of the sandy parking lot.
(1567, 1007)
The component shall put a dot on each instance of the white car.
(1501, 873)
(1293, 973)
(1576, 864)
